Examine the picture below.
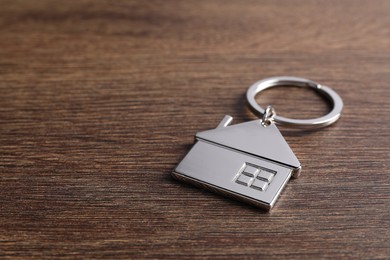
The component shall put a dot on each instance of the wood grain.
(99, 100)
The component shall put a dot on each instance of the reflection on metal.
(247, 161)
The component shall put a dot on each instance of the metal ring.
(330, 94)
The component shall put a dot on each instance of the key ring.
(251, 161)
(315, 123)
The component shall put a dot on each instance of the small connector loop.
(268, 116)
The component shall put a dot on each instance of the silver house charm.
(247, 161)
(251, 161)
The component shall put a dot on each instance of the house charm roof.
(253, 138)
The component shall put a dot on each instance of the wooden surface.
(99, 100)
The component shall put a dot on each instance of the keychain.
(251, 161)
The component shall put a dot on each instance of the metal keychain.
(251, 161)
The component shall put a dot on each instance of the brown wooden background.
(99, 100)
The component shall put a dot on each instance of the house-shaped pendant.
(248, 161)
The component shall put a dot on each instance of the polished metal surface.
(255, 139)
(248, 161)
(251, 161)
(323, 121)
(268, 117)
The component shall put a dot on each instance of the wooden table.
(99, 100)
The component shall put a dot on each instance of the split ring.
(319, 122)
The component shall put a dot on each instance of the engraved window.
(255, 177)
